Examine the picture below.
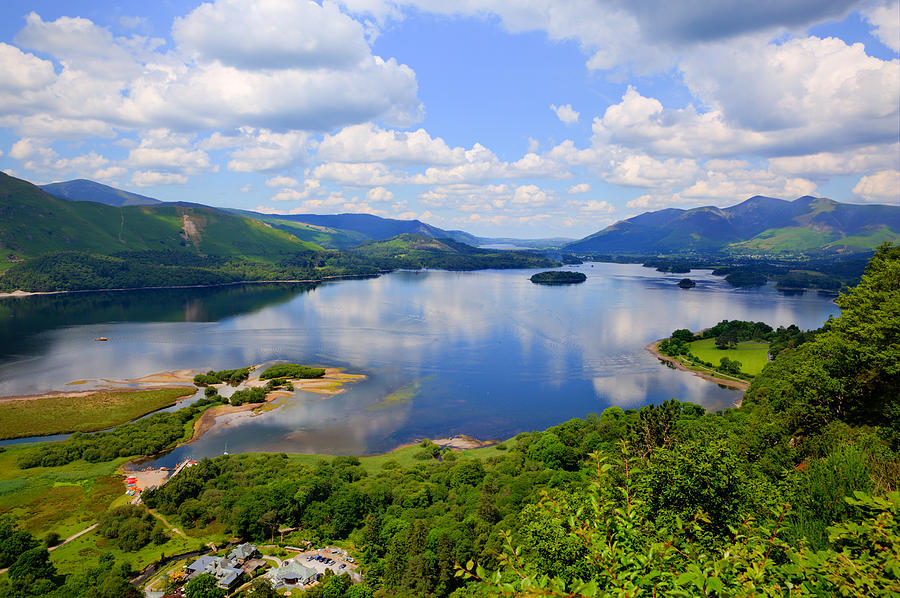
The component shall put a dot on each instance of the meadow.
(752, 355)
(88, 413)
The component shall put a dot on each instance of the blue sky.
(528, 118)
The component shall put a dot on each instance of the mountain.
(377, 228)
(84, 190)
(33, 222)
(758, 226)
(413, 251)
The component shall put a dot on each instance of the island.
(686, 283)
(558, 277)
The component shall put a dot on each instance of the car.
(335, 551)
(350, 559)
(343, 565)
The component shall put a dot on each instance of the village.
(235, 566)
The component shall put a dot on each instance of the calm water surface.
(483, 353)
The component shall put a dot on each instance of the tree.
(730, 366)
(203, 586)
(261, 588)
(851, 371)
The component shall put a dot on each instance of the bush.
(291, 370)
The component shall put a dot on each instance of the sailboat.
(225, 452)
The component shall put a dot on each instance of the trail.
(167, 524)
(70, 538)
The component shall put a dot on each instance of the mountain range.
(760, 226)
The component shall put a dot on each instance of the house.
(242, 553)
(221, 568)
(292, 573)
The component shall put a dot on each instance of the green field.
(752, 355)
(97, 411)
(63, 499)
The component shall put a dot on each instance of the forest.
(795, 492)
(79, 271)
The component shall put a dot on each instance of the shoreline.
(742, 385)
(18, 294)
(329, 384)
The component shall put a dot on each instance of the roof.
(203, 562)
(293, 569)
(242, 551)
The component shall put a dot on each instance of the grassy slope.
(33, 222)
(752, 355)
(97, 411)
(784, 239)
(329, 238)
(63, 499)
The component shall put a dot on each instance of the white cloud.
(885, 20)
(246, 188)
(111, 173)
(45, 125)
(723, 183)
(160, 150)
(281, 181)
(149, 178)
(262, 150)
(21, 72)
(272, 34)
(130, 83)
(359, 175)
(369, 143)
(595, 207)
(532, 195)
(565, 113)
(379, 194)
(310, 187)
(826, 164)
(579, 188)
(881, 187)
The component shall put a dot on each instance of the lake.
(488, 353)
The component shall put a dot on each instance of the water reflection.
(499, 354)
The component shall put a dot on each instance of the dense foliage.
(131, 528)
(851, 371)
(291, 370)
(32, 574)
(558, 277)
(75, 270)
(146, 436)
(232, 377)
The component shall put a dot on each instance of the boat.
(101, 338)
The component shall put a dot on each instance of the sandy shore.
(737, 384)
(463, 442)
(158, 381)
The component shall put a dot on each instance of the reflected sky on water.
(490, 353)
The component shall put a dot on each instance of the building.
(292, 573)
(242, 553)
(227, 570)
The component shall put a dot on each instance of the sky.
(517, 118)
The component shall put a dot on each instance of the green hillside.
(323, 236)
(806, 227)
(33, 223)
